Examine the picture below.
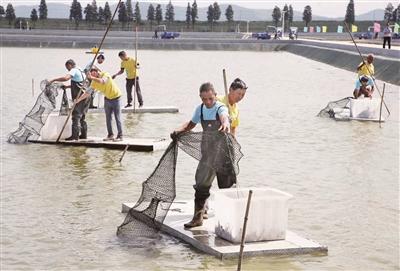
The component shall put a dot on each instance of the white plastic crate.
(53, 126)
(268, 214)
(365, 108)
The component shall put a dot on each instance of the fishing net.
(30, 126)
(335, 107)
(219, 151)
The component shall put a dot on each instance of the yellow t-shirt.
(109, 88)
(130, 68)
(233, 111)
(366, 69)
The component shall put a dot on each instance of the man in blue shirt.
(364, 86)
(76, 75)
(213, 116)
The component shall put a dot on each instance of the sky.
(328, 8)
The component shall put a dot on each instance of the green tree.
(107, 13)
(100, 18)
(129, 10)
(151, 15)
(122, 14)
(95, 14)
(194, 14)
(210, 16)
(137, 16)
(42, 10)
(169, 13)
(349, 18)
(75, 13)
(307, 15)
(229, 15)
(290, 15)
(88, 14)
(396, 14)
(217, 12)
(188, 15)
(276, 15)
(10, 14)
(389, 13)
(159, 17)
(34, 16)
(285, 14)
(2, 12)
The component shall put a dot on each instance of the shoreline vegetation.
(215, 18)
(178, 26)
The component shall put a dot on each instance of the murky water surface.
(60, 206)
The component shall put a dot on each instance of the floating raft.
(135, 144)
(147, 109)
(205, 239)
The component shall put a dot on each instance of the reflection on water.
(60, 205)
(78, 159)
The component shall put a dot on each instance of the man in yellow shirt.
(236, 93)
(130, 66)
(102, 81)
(366, 67)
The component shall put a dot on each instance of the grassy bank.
(180, 26)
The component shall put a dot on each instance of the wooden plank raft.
(135, 144)
(141, 110)
(204, 238)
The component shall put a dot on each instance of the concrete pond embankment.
(339, 54)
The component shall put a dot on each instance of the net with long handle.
(220, 151)
(33, 122)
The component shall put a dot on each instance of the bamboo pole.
(226, 91)
(136, 62)
(380, 108)
(91, 64)
(244, 231)
(33, 87)
(123, 153)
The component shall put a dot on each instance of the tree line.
(127, 14)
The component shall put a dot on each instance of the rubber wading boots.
(205, 214)
(197, 219)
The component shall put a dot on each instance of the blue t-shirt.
(76, 75)
(369, 83)
(210, 113)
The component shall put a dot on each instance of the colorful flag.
(324, 29)
(311, 29)
(377, 27)
(305, 29)
(354, 28)
(318, 29)
(396, 28)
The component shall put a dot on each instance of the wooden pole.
(244, 231)
(136, 60)
(380, 108)
(226, 90)
(33, 87)
(91, 64)
(373, 79)
(123, 153)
